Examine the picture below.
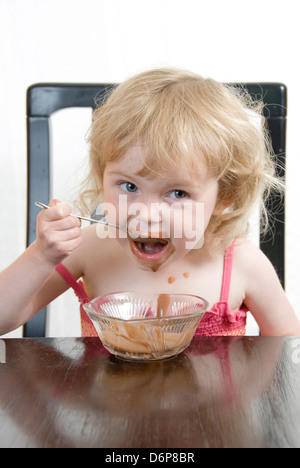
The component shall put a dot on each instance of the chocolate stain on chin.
(157, 264)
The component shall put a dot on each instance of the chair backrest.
(44, 99)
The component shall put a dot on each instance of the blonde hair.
(181, 116)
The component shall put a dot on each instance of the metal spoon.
(45, 207)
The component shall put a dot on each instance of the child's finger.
(54, 202)
(57, 211)
(63, 208)
(73, 221)
(60, 224)
(68, 222)
(69, 234)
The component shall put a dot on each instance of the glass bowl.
(146, 326)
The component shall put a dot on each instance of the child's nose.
(149, 218)
(148, 215)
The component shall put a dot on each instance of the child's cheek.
(189, 224)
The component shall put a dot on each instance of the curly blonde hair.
(181, 117)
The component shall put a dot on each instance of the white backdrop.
(108, 40)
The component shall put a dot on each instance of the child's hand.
(58, 233)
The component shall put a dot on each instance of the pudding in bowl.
(146, 327)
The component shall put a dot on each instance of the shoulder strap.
(77, 287)
(228, 259)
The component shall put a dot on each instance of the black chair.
(44, 99)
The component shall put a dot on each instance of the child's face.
(167, 214)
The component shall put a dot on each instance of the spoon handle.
(45, 207)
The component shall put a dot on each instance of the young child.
(166, 145)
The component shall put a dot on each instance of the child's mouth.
(149, 248)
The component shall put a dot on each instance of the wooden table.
(221, 392)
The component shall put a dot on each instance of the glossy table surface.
(221, 392)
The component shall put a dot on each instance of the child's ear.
(222, 203)
(219, 207)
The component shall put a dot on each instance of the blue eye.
(128, 187)
(179, 194)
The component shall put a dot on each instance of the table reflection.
(221, 392)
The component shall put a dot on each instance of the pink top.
(219, 321)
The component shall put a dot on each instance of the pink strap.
(228, 259)
(78, 288)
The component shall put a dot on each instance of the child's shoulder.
(95, 244)
(250, 259)
(96, 248)
(96, 235)
(90, 231)
(244, 247)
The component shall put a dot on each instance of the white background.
(109, 40)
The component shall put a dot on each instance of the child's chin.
(151, 266)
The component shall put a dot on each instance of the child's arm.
(58, 234)
(264, 295)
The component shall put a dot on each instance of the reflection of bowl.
(146, 326)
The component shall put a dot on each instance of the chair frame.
(43, 99)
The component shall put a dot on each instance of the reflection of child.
(173, 138)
